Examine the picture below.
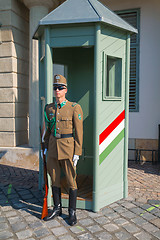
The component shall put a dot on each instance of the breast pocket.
(66, 122)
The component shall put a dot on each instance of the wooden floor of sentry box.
(84, 196)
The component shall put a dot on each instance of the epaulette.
(74, 104)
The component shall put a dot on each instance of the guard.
(63, 140)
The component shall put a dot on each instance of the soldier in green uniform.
(64, 147)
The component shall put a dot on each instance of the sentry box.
(90, 45)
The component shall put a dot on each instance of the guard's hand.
(45, 152)
(75, 160)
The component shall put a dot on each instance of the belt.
(58, 135)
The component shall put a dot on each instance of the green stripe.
(111, 146)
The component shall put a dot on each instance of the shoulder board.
(74, 104)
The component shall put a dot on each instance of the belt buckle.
(58, 135)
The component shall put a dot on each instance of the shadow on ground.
(19, 189)
(147, 167)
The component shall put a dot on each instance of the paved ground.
(137, 217)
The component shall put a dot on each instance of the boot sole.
(73, 223)
(56, 215)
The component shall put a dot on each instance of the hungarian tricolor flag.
(111, 136)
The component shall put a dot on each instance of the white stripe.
(111, 137)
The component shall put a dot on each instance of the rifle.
(45, 207)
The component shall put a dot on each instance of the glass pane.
(114, 77)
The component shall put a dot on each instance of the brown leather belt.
(58, 135)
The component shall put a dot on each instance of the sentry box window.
(112, 78)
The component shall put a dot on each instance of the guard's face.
(60, 91)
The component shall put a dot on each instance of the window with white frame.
(133, 18)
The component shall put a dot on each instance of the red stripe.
(111, 127)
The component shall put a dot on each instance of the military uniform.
(61, 143)
(63, 139)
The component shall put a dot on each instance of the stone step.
(22, 156)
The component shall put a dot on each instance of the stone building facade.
(14, 73)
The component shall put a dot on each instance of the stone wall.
(14, 73)
(145, 144)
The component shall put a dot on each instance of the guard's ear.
(66, 90)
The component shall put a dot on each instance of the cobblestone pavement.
(137, 217)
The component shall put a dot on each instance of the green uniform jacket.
(68, 119)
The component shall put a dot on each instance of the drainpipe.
(125, 173)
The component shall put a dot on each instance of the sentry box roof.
(83, 11)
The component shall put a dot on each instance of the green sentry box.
(93, 44)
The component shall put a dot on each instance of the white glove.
(45, 151)
(75, 160)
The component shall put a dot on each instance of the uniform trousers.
(54, 169)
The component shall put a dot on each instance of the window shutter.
(132, 17)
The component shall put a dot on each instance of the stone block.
(123, 235)
(7, 124)
(11, 64)
(59, 231)
(21, 124)
(5, 17)
(9, 80)
(52, 223)
(12, 110)
(103, 236)
(21, 157)
(86, 222)
(10, 18)
(19, 22)
(89, 236)
(11, 49)
(17, 227)
(21, 109)
(65, 237)
(6, 65)
(13, 95)
(12, 34)
(3, 226)
(7, 139)
(131, 228)
(7, 110)
(5, 234)
(110, 227)
(156, 222)
(12, 139)
(5, 5)
(7, 94)
(20, 9)
(143, 235)
(21, 138)
(24, 234)
(94, 228)
(6, 34)
(13, 124)
(42, 232)
(6, 49)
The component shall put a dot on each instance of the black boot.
(72, 207)
(57, 209)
